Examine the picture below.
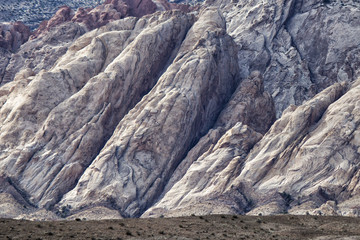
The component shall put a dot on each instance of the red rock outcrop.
(64, 14)
(109, 11)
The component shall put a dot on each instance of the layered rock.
(308, 157)
(297, 45)
(53, 37)
(156, 134)
(42, 52)
(173, 113)
(306, 163)
(85, 100)
(200, 180)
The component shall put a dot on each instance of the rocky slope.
(32, 13)
(239, 107)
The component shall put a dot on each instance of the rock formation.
(13, 35)
(109, 11)
(239, 107)
(57, 34)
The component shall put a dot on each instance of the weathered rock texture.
(13, 35)
(200, 180)
(42, 52)
(177, 113)
(53, 37)
(109, 11)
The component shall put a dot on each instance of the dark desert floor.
(195, 227)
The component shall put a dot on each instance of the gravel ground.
(194, 227)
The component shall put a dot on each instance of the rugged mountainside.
(238, 107)
(33, 12)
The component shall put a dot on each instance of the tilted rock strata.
(201, 190)
(200, 180)
(173, 113)
(155, 135)
(298, 46)
(310, 155)
(80, 120)
(42, 52)
(53, 37)
(307, 162)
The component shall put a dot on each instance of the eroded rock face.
(53, 37)
(13, 35)
(297, 45)
(110, 10)
(42, 53)
(76, 88)
(309, 156)
(174, 113)
(200, 180)
(151, 140)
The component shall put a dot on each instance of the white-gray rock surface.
(175, 113)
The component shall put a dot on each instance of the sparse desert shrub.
(287, 198)
(64, 211)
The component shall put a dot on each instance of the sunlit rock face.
(156, 109)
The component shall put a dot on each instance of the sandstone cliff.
(241, 107)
